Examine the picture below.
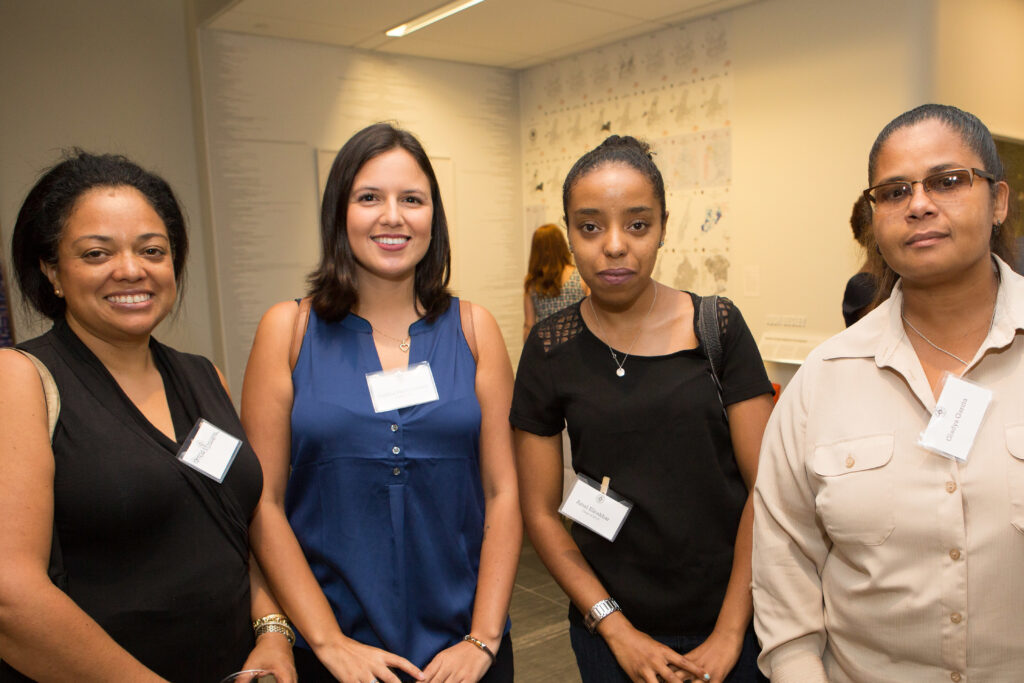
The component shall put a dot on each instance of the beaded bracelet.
(480, 644)
(274, 623)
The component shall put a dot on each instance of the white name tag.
(394, 389)
(601, 512)
(957, 417)
(210, 450)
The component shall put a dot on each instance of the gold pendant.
(404, 346)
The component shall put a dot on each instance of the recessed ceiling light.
(430, 17)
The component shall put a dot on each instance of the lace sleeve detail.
(559, 328)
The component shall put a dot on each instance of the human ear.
(1001, 205)
(50, 271)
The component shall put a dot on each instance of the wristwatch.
(598, 612)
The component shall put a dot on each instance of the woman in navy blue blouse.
(389, 523)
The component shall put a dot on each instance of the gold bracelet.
(274, 623)
(480, 644)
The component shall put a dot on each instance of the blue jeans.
(597, 664)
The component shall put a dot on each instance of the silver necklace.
(621, 372)
(403, 344)
(931, 343)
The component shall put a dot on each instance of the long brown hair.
(549, 255)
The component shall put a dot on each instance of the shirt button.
(396, 471)
(850, 461)
(956, 617)
(954, 554)
(396, 450)
(955, 677)
(394, 428)
(950, 486)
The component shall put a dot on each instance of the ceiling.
(513, 34)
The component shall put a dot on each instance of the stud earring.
(57, 291)
(661, 244)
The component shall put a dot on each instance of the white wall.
(814, 84)
(107, 76)
(271, 104)
(979, 61)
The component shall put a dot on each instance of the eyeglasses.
(945, 186)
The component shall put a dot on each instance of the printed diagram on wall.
(673, 89)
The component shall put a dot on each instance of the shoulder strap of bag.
(50, 392)
(466, 313)
(711, 339)
(299, 332)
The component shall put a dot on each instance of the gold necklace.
(620, 372)
(403, 344)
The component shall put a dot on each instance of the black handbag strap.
(710, 331)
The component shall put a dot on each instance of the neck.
(968, 301)
(119, 356)
(388, 304)
(625, 313)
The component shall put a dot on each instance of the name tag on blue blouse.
(957, 417)
(210, 450)
(596, 507)
(401, 388)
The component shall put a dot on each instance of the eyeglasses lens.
(944, 186)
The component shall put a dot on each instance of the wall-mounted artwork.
(673, 89)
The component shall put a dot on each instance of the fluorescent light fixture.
(430, 17)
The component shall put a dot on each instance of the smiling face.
(114, 266)
(389, 216)
(930, 242)
(615, 225)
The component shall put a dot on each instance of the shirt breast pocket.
(855, 494)
(1015, 474)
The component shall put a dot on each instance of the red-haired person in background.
(552, 282)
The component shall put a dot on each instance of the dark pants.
(598, 665)
(310, 669)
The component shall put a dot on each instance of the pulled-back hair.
(976, 137)
(49, 204)
(617, 149)
(333, 283)
(549, 255)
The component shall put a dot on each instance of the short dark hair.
(620, 149)
(333, 284)
(976, 136)
(49, 204)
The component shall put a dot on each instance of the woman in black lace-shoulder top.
(669, 597)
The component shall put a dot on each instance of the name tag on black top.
(596, 507)
(209, 450)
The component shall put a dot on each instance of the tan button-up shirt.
(875, 559)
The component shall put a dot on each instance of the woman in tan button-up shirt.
(876, 559)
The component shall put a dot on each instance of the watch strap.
(598, 612)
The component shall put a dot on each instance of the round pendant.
(620, 372)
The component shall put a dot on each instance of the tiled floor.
(540, 629)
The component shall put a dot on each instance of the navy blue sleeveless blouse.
(388, 507)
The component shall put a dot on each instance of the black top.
(658, 432)
(154, 551)
(859, 293)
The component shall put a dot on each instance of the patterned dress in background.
(572, 291)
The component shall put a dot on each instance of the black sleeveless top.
(154, 551)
